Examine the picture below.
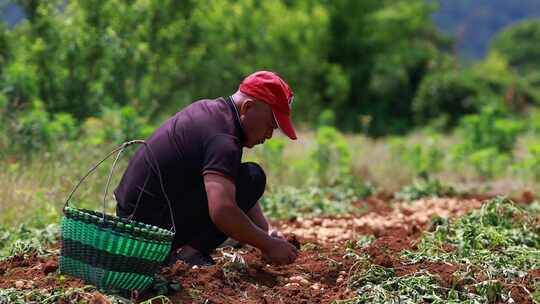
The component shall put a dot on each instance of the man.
(213, 194)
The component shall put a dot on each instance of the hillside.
(474, 22)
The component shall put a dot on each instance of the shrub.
(526, 57)
(124, 123)
(271, 153)
(490, 129)
(424, 158)
(326, 118)
(331, 157)
(425, 188)
(489, 162)
(530, 165)
(289, 202)
(35, 129)
(445, 95)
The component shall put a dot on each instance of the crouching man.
(213, 194)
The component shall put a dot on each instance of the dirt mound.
(33, 272)
(319, 275)
(405, 218)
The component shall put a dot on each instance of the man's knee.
(251, 184)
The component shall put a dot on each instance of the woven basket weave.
(110, 252)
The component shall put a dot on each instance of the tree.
(519, 45)
(386, 48)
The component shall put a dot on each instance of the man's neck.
(236, 106)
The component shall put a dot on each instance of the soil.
(33, 272)
(291, 238)
(319, 275)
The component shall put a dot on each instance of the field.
(414, 179)
(466, 249)
(369, 231)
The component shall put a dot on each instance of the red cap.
(270, 88)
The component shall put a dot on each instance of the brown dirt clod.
(291, 238)
(49, 266)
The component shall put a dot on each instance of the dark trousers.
(194, 226)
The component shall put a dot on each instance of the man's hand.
(230, 219)
(280, 252)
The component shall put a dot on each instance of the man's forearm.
(257, 216)
(232, 221)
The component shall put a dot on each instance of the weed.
(56, 295)
(425, 188)
(289, 202)
(234, 267)
(494, 246)
(309, 247)
(24, 241)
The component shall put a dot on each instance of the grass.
(38, 187)
(41, 184)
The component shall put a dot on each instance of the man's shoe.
(190, 257)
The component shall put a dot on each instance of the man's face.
(258, 122)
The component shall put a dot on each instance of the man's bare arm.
(230, 219)
(257, 216)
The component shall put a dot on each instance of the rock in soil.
(49, 266)
(291, 238)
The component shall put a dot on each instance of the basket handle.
(120, 149)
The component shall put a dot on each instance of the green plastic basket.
(110, 252)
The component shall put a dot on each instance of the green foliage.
(156, 57)
(124, 123)
(496, 246)
(424, 158)
(85, 55)
(394, 58)
(376, 284)
(501, 240)
(56, 295)
(426, 187)
(529, 166)
(490, 129)
(159, 56)
(488, 141)
(36, 130)
(518, 44)
(489, 162)
(289, 202)
(446, 95)
(331, 156)
(326, 118)
(270, 155)
(27, 239)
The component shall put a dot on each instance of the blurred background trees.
(377, 67)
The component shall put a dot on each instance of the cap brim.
(285, 124)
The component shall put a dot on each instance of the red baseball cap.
(270, 88)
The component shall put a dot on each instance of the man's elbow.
(219, 213)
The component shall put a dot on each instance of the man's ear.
(246, 105)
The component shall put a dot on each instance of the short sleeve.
(222, 153)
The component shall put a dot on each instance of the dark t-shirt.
(204, 136)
